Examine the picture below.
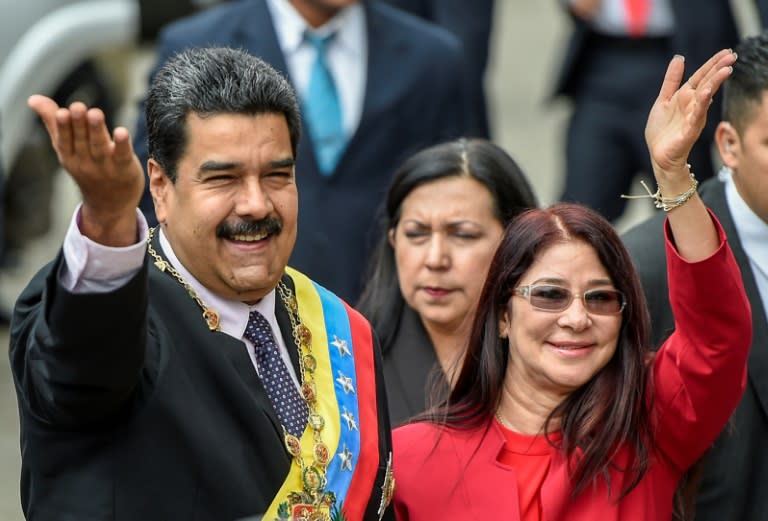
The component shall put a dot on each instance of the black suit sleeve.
(76, 358)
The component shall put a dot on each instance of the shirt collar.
(751, 228)
(233, 314)
(290, 26)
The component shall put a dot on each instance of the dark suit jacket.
(701, 28)
(411, 371)
(131, 409)
(735, 481)
(414, 97)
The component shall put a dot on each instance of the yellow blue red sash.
(346, 392)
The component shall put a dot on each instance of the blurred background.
(99, 51)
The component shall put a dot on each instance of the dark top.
(412, 374)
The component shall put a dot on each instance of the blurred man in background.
(375, 84)
(613, 64)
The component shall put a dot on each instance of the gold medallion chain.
(313, 475)
(210, 316)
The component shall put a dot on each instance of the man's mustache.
(269, 225)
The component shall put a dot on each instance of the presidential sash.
(345, 382)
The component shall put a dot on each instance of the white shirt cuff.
(91, 267)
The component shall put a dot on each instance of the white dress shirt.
(347, 54)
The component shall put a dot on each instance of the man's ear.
(728, 144)
(160, 186)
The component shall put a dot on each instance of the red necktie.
(637, 16)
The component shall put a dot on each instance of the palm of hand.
(680, 112)
(673, 127)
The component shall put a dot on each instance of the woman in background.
(446, 210)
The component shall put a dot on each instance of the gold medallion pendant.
(302, 506)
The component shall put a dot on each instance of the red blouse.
(530, 456)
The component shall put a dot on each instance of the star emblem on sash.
(350, 419)
(342, 346)
(346, 459)
(346, 383)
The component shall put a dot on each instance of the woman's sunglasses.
(548, 297)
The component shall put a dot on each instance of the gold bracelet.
(667, 203)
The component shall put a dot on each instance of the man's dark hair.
(209, 81)
(743, 90)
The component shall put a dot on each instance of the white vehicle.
(52, 47)
(69, 50)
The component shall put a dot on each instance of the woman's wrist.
(674, 188)
(673, 181)
(665, 200)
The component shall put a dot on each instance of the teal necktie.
(322, 108)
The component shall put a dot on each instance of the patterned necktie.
(638, 12)
(322, 108)
(291, 408)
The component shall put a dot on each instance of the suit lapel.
(381, 78)
(257, 34)
(231, 347)
(758, 354)
(490, 486)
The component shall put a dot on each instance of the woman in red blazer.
(560, 411)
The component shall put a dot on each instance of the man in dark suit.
(185, 373)
(401, 83)
(735, 478)
(613, 64)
